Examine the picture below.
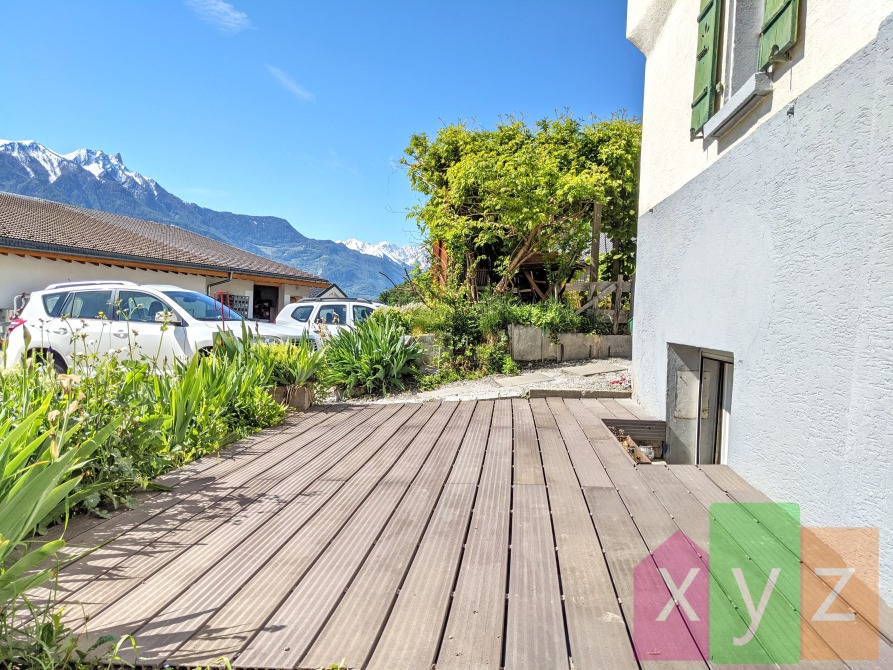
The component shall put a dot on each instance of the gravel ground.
(488, 387)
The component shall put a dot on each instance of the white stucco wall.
(28, 274)
(666, 32)
(782, 253)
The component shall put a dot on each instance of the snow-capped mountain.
(37, 160)
(97, 180)
(103, 166)
(408, 254)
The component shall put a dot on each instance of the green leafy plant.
(374, 358)
(291, 363)
(398, 295)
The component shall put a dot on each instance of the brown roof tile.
(41, 225)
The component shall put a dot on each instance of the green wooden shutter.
(779, 31)
(703, 102)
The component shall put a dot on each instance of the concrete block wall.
(529, 343)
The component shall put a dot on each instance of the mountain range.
(409, 254)
(96, 180)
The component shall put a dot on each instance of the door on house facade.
(714, 408)
(266, 302)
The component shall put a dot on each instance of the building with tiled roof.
(42, 242)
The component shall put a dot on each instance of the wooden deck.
(482, 534)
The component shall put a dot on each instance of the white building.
(764, 289)
(44, 242)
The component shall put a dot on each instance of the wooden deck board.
(240, 619)
(618, 410)
(288, 634)
(489, 534)
(411, 637)
(131, 557)
(528, 468)
(588, 468)
(350, 633)
(596, 629)
(624, 550)
(633, 407)
(606, 446)
(597, 408)
(733, 484)
(145, 587)
(694, 520)
(148, 523)
(535, 632)
(90, 531)
(474, 630)
(692, 477)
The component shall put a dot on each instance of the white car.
(327, 316)
(130, 320)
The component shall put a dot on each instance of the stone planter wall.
(430, 349)
(529, 343)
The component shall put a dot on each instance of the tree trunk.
(594, 247)
(522, 255)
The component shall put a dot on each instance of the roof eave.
(92, 255)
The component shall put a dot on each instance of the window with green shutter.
(704, 101)
(779, 30)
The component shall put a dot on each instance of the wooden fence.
(598, 291)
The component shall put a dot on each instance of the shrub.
(164, 419)
(398, 295)
(374, 358)
(554, 317)
(39, 470)
(84, 442)
(290, 363)
(496, 312)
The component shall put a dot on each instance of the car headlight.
(269, 339)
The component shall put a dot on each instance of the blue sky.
(300, 109)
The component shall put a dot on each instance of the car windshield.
(202, 307)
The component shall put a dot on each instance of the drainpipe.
(218, 283)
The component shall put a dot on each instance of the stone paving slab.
(593, 369)
(520, 380)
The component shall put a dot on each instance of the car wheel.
(50, 359)
(58, 364)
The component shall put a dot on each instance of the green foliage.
(496, 312)
(290, 363)
(416, 318)
(515, 191)
(39, 469)
(373, 358)
(554, 317)
(84, 441)
(163, 419)
(398, 295)
(35, 636)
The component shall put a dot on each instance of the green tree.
(402, 294)
(517, 190)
